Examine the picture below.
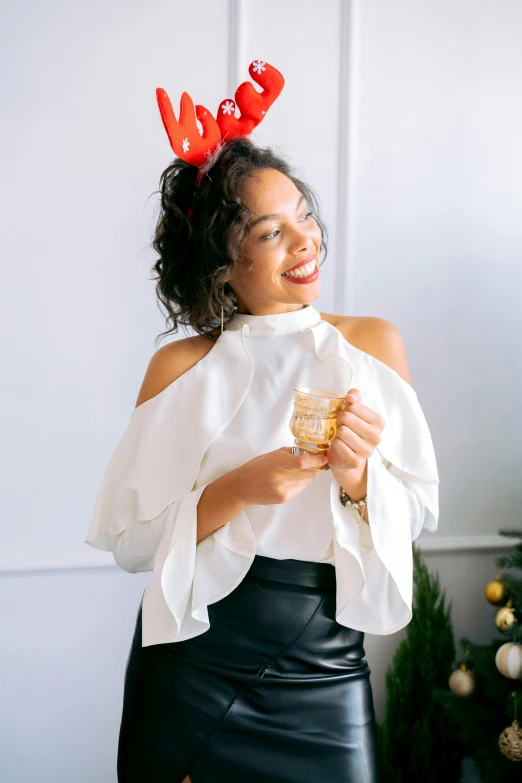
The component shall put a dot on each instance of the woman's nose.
(301, 240)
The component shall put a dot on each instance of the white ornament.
(258, 66)
(509, 660)
(185, 145)
(228, 107)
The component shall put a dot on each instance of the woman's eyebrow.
(273, 215)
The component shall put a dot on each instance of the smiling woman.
(283, 244)
(248, 661)
(251, 222)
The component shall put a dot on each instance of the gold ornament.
(495, 591)
(505, 617)
(510, 742)
(462, 682)
(509, 660)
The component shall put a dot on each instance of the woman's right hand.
(277, 476)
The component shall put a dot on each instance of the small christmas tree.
(484, 691)
(416, 742)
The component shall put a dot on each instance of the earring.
(221, 319)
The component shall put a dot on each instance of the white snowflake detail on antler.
(185, 145)
(258, 66)
(228, 107)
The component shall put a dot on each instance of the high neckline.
(275, 323)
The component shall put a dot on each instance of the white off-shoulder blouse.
(233, 405)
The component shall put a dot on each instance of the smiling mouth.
(302, 272)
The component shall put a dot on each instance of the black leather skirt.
(276, 691)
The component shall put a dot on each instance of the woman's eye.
(270, 236)
(273, 233)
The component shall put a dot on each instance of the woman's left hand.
(358, 433)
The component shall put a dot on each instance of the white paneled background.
(406, 119)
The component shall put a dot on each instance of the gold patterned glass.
(314, 419)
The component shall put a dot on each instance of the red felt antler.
(195, 147)
(252, 104)
(184, 135)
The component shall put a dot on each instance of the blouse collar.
(275, 323)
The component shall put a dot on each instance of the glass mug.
(314, 420)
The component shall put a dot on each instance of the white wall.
(437, 230)
(406, 119)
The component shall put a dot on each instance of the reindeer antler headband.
(196, 147)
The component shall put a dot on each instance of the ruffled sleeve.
(147, 504)
(187, 577)
(374, 562)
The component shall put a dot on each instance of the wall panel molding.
(94, 560)
(236, 42)
(344, 298)
(457, 544)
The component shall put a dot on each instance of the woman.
(247, 661)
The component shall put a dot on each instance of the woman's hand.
(358, 433)
(276, 477)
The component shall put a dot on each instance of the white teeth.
(303, 271)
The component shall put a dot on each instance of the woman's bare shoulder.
(375, 336)
(338, 320)
(352, 327)
(170, 362)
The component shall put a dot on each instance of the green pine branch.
(415, 727)
(513, 560)
(513, 584)
(480, 718)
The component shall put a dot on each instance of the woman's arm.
(382, 340)
(220, 502)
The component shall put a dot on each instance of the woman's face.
(282, 234)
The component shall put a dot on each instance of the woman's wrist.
(355, 486)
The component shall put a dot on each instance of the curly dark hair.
(197, 258)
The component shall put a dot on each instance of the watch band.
(347, 501)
